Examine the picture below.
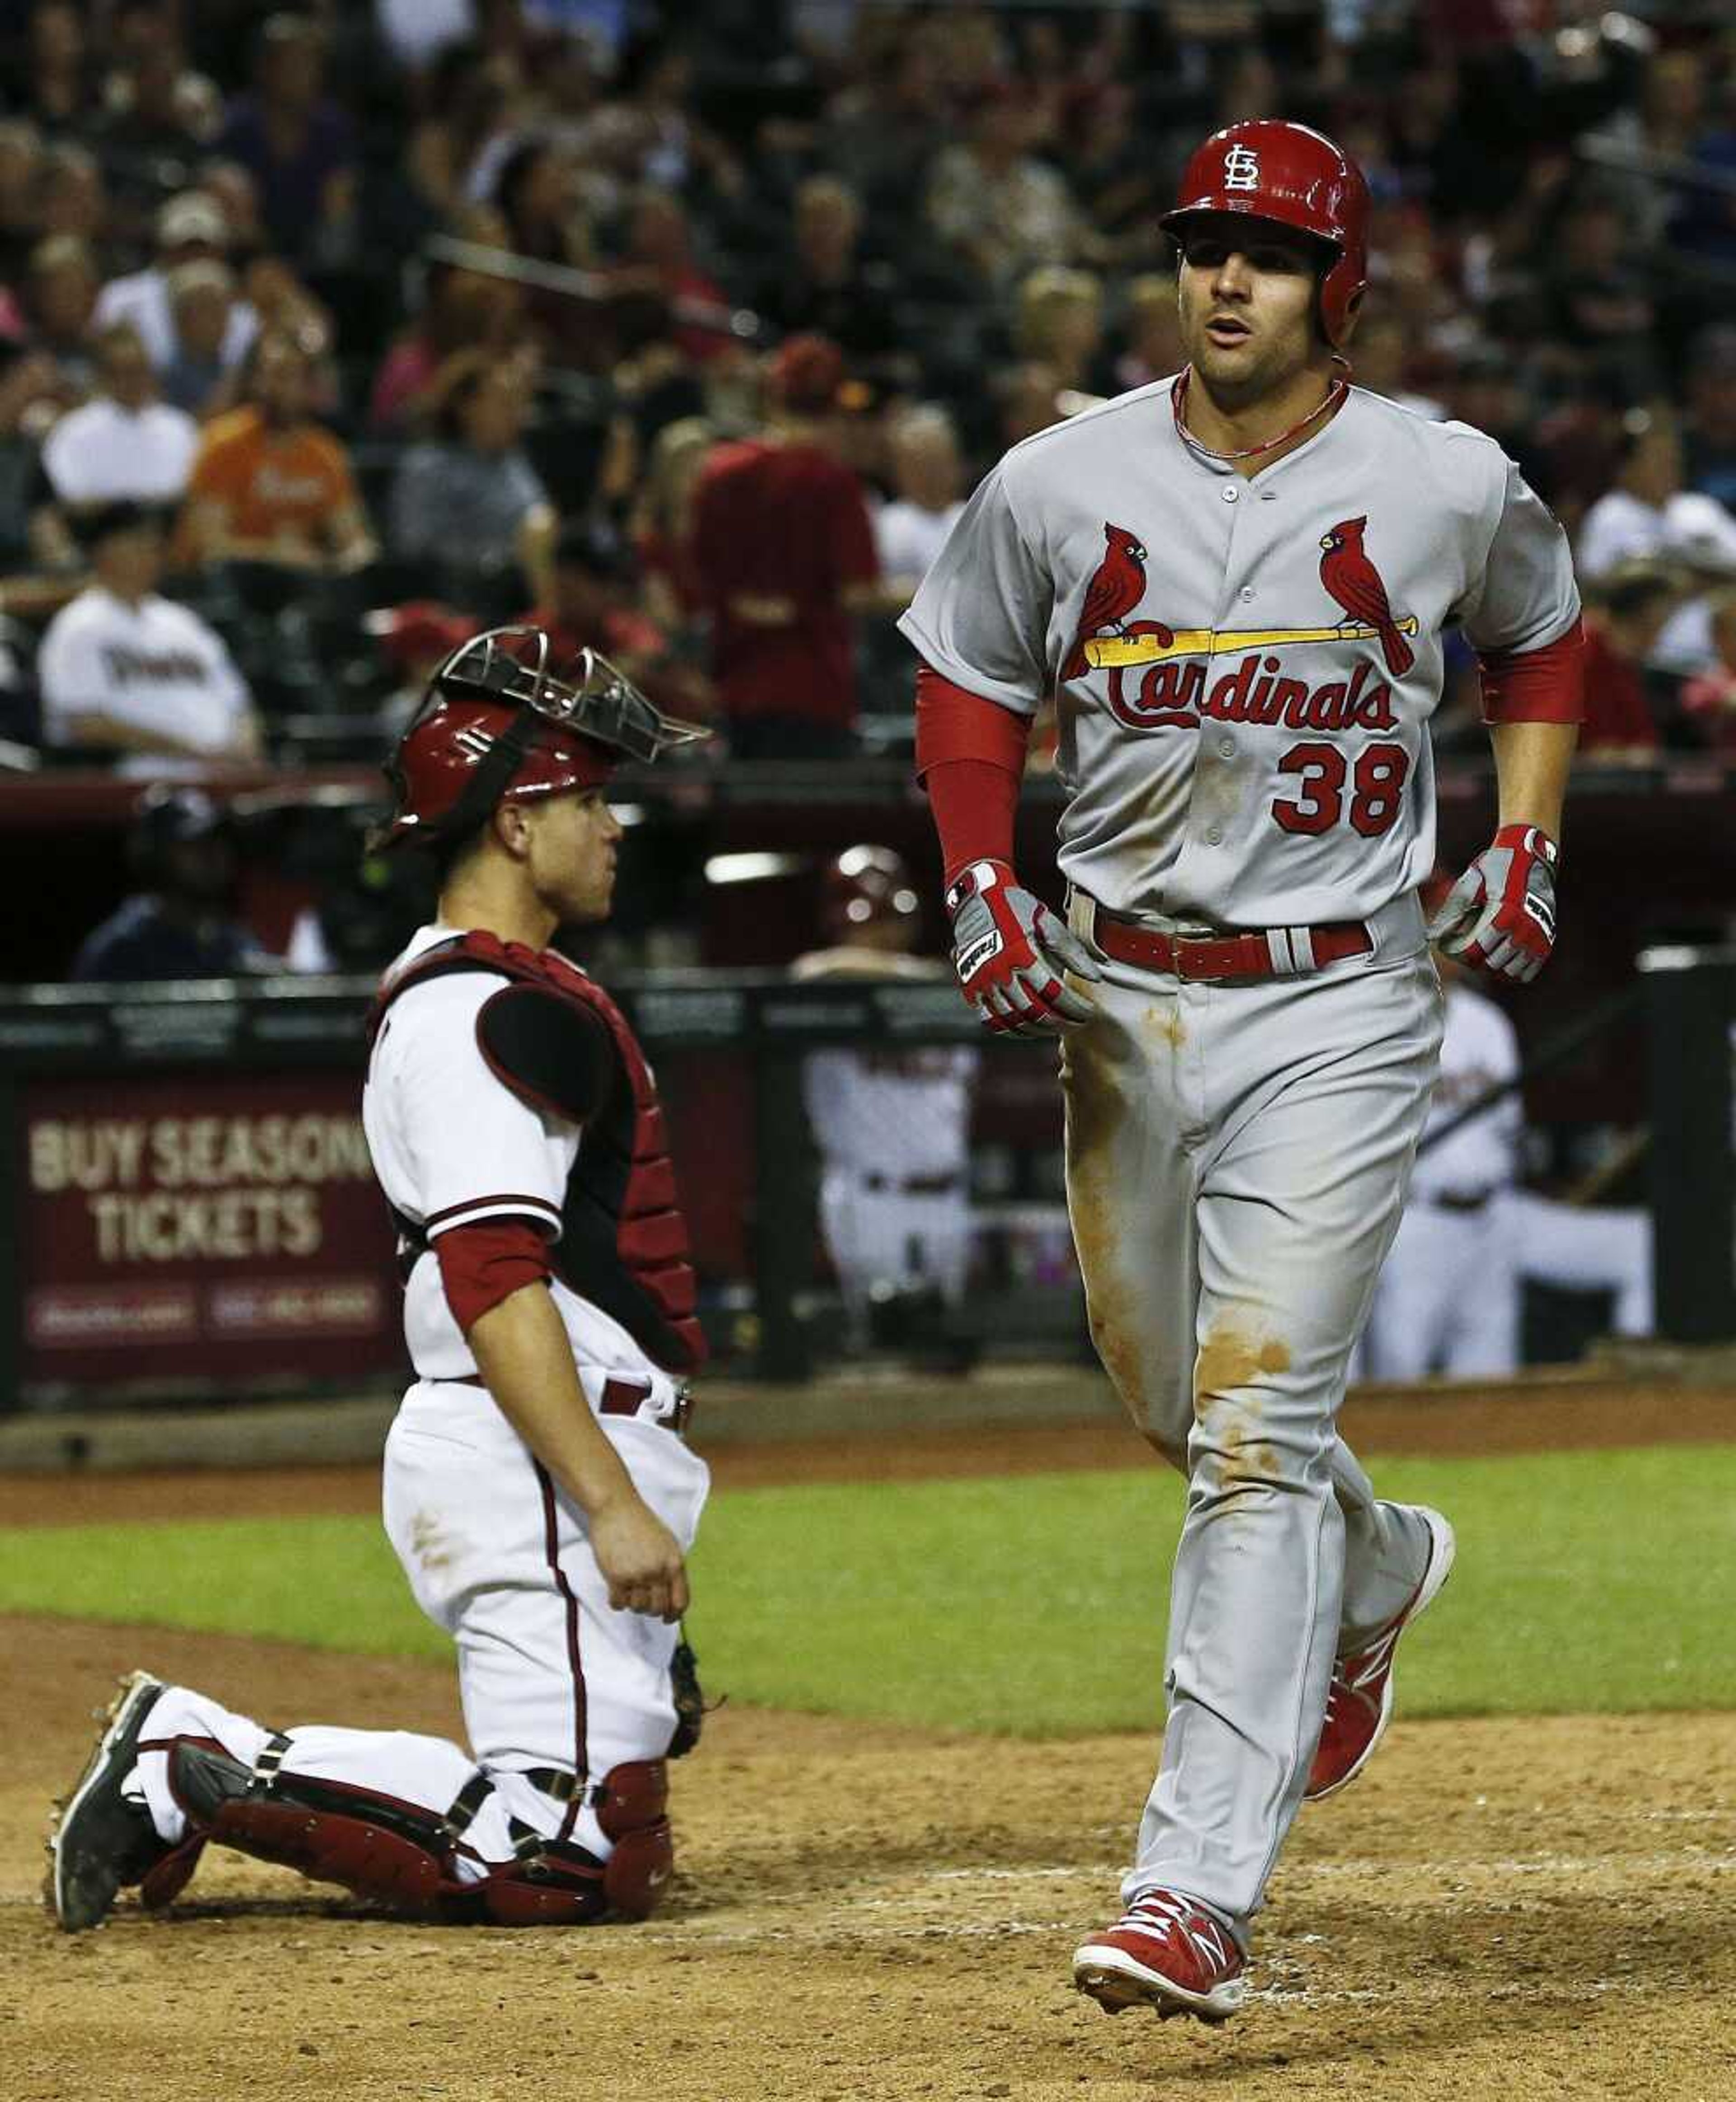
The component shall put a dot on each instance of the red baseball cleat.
(1359, 1702)
(1167, 1954)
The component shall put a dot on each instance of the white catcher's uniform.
(1449, 1296)
(1245, 745)
(551, 1676)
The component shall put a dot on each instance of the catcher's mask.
(496, 723)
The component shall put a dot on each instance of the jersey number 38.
(1377, 789)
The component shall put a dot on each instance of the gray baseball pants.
(1236, 1157)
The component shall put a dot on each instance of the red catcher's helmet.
(1296, 177)
(496, 723)
(865, 884)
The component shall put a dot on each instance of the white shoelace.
(1208, 1940)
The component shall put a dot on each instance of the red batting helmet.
(496, 723)
(865, 884)
(1287, 173)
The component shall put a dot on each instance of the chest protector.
(623, 1244)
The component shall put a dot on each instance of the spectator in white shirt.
(192, 227)
(125, 443)
(124, 670)
(927, 469)
(1649, 513)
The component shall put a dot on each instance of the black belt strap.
(265, 1766)
(557, 1783)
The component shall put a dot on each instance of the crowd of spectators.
(688, 328)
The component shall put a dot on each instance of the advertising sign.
(200, 1226)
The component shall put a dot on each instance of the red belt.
(1250, 955)
(621, 1397)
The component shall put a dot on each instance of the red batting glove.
(1499, 917)
(1012, 954)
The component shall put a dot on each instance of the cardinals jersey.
(1243, 670)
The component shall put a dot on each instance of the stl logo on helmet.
(1241, 169)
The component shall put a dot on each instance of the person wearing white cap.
(191, 228)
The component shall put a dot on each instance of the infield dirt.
(1503, 1909)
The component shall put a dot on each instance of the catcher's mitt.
(690, 1710)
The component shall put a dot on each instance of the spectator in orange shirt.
(269, 484)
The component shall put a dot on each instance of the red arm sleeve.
(1536, 685)
(970, 757)
(482, 1265)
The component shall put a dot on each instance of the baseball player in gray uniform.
(1235, 583)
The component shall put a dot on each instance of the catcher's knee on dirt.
(407, 1856)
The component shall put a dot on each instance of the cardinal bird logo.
(1114, 592)
(1353, 580)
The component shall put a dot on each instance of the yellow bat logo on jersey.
(1112, 652)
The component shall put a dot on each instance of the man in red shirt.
(784, 554)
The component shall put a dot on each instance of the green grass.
(1586, 1582)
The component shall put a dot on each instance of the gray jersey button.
(1231, 492)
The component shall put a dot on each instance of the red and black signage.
(202, 1226)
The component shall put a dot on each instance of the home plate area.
(1511, 1908)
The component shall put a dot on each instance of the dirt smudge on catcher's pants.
(429, 1544)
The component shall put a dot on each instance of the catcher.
(539, 1492)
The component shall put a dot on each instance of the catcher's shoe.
(1359, 1702)
(102, 1838)
(1167, 1954)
